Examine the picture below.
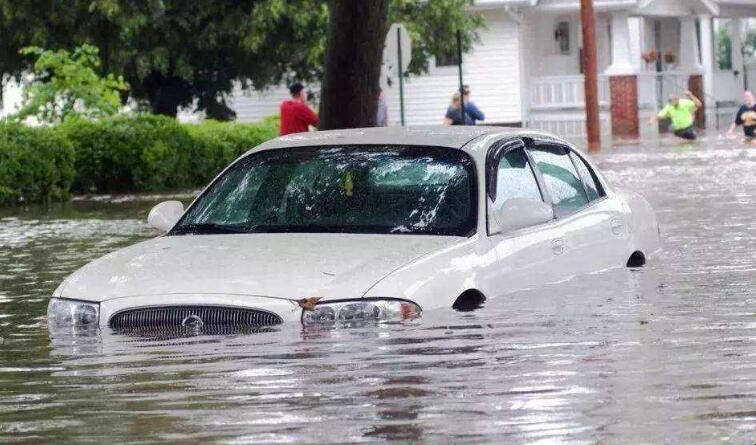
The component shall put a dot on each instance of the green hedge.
(36, 164)
(121, 154)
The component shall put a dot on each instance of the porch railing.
(554, 92)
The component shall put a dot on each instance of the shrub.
(129, 154)
(36, 164)
(119, 154)
(217, 144)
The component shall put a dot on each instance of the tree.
(349, 93)
(176, 53)
(356, 34)
(66, 84)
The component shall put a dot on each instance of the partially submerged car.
(366, 224)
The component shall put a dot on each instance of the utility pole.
(588, 21)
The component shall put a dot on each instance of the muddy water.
(662, 355)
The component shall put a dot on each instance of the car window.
(561, 178)
(592, 185)
(515, 178)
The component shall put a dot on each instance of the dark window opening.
(447, 58)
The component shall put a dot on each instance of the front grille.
(192, 316)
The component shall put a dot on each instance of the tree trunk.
(349, 93)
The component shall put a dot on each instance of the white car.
(366, 224)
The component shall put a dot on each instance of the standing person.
(381, 119)
(296, 114)
(746, 116)
(454, 113)
(682, 113)
(470, 108)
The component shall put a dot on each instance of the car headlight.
(62, 312)
(374, 309)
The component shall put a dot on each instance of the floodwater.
(666, 354)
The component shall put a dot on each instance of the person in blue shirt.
(454, 113)
(470, 108)
(472, 112)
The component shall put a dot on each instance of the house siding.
(492, 69)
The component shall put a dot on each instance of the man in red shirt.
(296, 115)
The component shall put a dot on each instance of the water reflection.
(665, 354)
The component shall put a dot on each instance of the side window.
(591, 182)
(515, 178)
(561, 179)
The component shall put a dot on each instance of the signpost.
(397, 53)
(461, 82)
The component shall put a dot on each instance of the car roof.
(430, 135)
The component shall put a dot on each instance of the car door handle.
(616, 225)
(557, 246)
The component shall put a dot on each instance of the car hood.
(288, 266)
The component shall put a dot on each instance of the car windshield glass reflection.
(340, 189)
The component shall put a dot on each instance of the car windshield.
(351, 189)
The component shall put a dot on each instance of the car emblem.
(192, 321)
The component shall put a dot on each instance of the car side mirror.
(518, 213)
(165, 215)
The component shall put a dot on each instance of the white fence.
(567, 124)
(555, 92)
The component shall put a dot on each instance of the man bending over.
(682, 113)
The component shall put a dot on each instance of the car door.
(525, 256)
(590, 228)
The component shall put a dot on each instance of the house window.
(447, 58)
(562, 36)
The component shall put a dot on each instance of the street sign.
(394, 40)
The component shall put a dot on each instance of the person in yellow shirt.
(682, 113)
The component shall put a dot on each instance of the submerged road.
(662, 355)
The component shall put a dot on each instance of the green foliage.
(172, 52)
(66, 84)
(433, 26)
(217, 144)
(124, 154)
(118, 154)
(153, 153)
(724, 50)
(36, 164)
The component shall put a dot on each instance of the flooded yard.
(666, 354)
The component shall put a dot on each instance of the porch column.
(623, 80)
(707, 61)
(690, 63)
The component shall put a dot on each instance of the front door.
(526, 255)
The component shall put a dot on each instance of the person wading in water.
(746, 116)
(682, 113)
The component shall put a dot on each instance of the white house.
(526, 70)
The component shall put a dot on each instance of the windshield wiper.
(206, 229)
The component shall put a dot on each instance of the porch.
(643, 55)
